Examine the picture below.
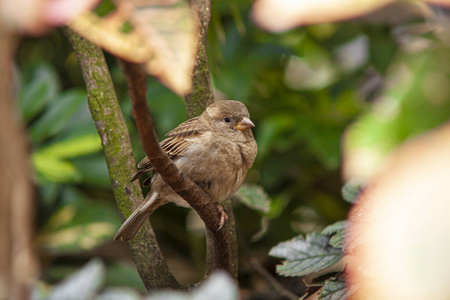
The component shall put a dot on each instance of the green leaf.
(84, 284)
(34, 95)
(254, 197)
(51, 168)
(73, 146)
(352, 189)
(304, 257)
(81, 224)
(335, 227)
(55, 118)
(123, 274)
(334, 289)
(382, 50)
(337, 240)
(338, 231)
(93, 170)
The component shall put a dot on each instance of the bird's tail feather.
(131, 226)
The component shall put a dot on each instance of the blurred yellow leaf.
(280, 15)
(397, 239)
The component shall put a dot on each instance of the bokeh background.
(329, 101)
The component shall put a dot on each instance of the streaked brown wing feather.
(176, 143)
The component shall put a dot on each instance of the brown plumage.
(215, 150)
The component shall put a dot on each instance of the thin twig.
(256, 265)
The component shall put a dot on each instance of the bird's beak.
(244, 124)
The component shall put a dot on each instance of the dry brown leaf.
(163, 38)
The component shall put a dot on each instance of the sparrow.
(215, 150)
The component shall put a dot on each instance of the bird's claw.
(223, 216)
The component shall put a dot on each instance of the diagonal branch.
(206, 208)
(116, 144)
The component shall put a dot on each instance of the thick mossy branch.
(201, 94)
(116, 144)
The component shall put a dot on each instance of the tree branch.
(115, 139)
(201, 94)
(182, 185)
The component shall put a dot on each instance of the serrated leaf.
(35, 94)
(334, 289)
(352, 189)
(254, 197)
(338, 231)
(335, 227)
(304, 257)
(84, 284)
(55, 118)
(337, 240)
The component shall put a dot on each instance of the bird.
(215, 150)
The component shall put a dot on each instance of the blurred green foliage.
(303, 89)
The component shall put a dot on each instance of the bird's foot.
(223, 216)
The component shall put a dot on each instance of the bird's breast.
(219, 163)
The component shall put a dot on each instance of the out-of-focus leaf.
(254, 197)
(84, 284)
(123, 274)
(382, 51)
(219, 286)
(50, 168)
(413, 102)
(334, 289)
(162, 38)
(119, 294)
(79, 225)
(40, 291)
(48, 193)
(55, 119)
(93, 170)
(73, 147)
(303, 257)
(271, 129)
(42, 88)
(82, 124)
(50, 164)
(310, 73)
(352, 189)
(280, 15)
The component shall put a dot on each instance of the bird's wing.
(176, 143)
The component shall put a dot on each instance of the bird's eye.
(228, 120)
